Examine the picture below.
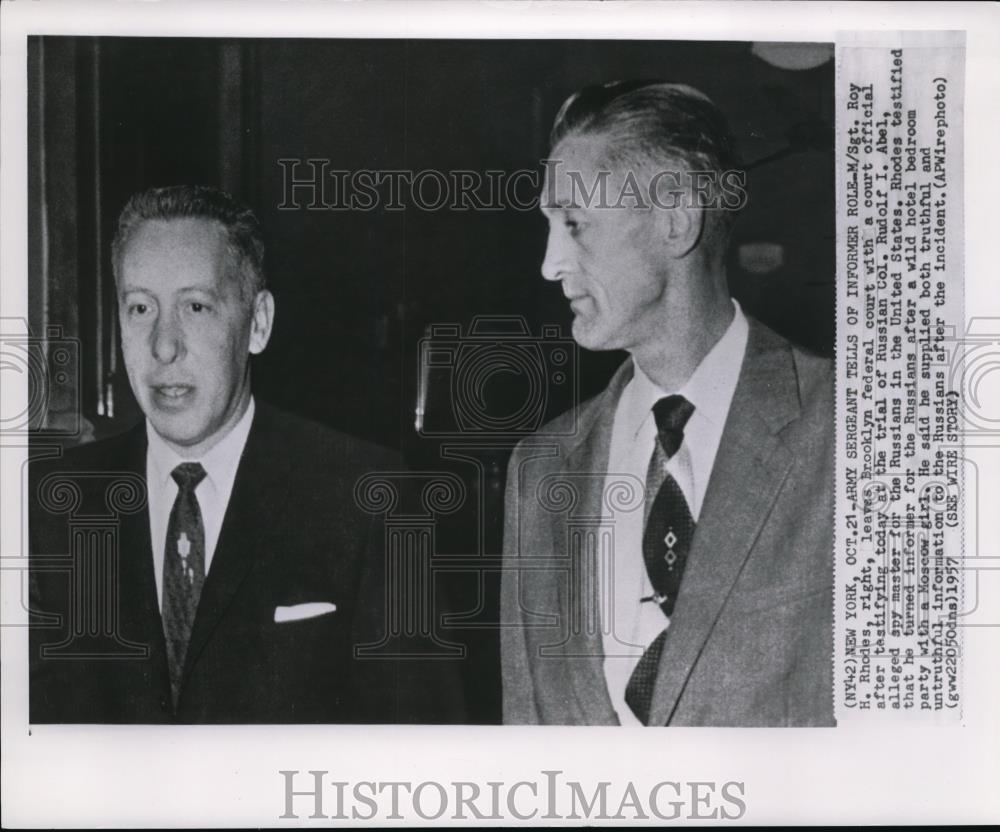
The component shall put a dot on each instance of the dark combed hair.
(244, 238)
(651, 123)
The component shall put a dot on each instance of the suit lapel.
(586, 466)
(258, 479)
(750, 467)
(138, 605)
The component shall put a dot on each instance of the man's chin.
(588, 335)
(177, 432)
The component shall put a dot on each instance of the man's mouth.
(172, 395)
(581, 304)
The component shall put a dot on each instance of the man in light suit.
(669, 543)
(212, 564)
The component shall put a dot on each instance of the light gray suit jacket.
(751, 638)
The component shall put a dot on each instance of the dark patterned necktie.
(665, 542)
(183, 569)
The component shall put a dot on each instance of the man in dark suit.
(669, 543)
(212, 564)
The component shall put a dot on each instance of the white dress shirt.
(629, 626)
(213, 492)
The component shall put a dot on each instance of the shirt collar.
(219, 463)
(710, 387)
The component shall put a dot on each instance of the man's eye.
(573, 226)
(198, 307)
(138, 309)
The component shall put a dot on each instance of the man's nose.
(167, 340)
(556, 255)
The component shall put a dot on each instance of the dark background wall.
(356, 290)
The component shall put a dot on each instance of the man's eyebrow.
(208, 290)
(205, 290)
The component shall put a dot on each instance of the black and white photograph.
(409, 416)
(407, 275)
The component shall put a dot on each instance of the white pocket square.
(297, 612)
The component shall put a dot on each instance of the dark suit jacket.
(751, 638)
(293, 533)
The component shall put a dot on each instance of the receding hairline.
(232, 258)
(241, 229)
(615, 146)
(643, 163)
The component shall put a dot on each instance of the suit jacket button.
(164, 705)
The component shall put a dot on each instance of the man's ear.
(681, 227)
(262, 321)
